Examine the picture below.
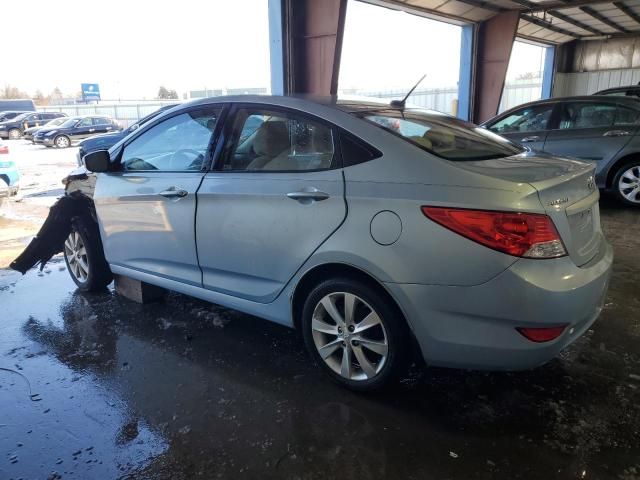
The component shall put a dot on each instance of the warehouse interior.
(589, 45)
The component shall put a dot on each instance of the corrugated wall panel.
(586, 83)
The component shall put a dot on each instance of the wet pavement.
(98, 387)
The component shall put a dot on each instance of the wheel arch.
(613, 169)
(316, 274)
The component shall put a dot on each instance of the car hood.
(49, 129)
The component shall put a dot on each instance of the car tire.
(84, 256)
(626, 184)
(15, 134)
(377, 352)
(62, 141)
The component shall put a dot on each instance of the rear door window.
(576, 115)
(442, 135)
(283, 141)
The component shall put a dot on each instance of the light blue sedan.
(376, 230)
(9, 175)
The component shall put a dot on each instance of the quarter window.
(596, 115)
(179, 143)
(528, 119)
(277, 141)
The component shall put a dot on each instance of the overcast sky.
(132, 47)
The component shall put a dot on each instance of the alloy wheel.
(629, 184)
(76, 255)
(62, 142)
(14, 134)
(349, 336)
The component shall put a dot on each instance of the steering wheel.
(196, 162)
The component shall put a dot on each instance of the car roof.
(346, 104)
(619, 89)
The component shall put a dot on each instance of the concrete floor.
(95, 386)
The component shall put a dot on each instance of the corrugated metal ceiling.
(548, 21)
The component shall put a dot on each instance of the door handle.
(174, 192)
(308, 195)
(535, 138)
(92, 129)
(616, 133)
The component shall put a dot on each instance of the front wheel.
(14, 134)
(84, 256)
(62, 141)
(356, 335)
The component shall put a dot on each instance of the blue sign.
(90, 91)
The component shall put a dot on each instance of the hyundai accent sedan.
(376, 231)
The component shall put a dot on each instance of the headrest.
(272, 138)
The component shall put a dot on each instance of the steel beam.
(548, 25)
(627, 11)
(577, 23)
(494, 43)
(598, 16)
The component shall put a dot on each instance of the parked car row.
(54, 129)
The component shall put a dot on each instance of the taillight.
(529, 235)
(540, 335)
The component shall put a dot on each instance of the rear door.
(83, 129)
(592, 130)
(102, 125)
(147, 211)
(528, 125)
(276, 195)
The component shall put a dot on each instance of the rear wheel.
(355, 334)
(14, 134)
(626, 184)
(62, 141)
(84, 256)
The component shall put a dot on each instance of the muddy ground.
(97, 387)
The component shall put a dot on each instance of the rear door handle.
(174, 192)
(535, 138)
(308, 195)
(616, 133)
(92, 129)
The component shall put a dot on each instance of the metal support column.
(494, 43)
(276, 50)
(465, 76)
(548, 72)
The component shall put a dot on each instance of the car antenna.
(401, 103)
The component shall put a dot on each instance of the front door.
(83, 129)
(147, 211)
(592, 130)
(276, 195)
(527, 125)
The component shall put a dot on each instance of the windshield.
(69, 122)
(20, 117)
(57, 121)
(442, 135)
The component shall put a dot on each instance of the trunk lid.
(567, 191)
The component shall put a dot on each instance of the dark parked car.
(15, 127)
(10, 114)
(29, 133)
(603, 129)
(628, 91)
(74, 130)
(107, 140)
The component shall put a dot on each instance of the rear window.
(442, 135)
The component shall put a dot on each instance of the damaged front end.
(77, 201)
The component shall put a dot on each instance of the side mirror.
(98, 161)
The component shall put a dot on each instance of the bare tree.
(10, 91)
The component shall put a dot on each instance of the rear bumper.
(475, 327)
